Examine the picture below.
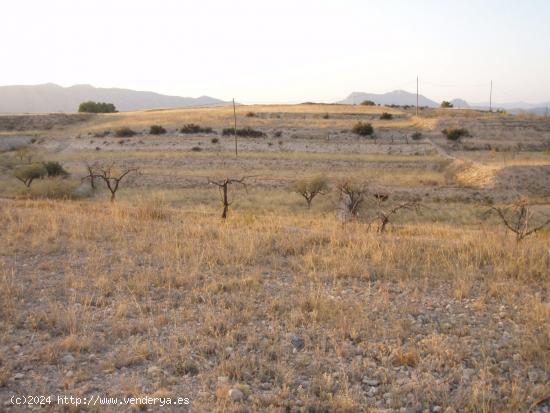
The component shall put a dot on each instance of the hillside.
(54, 98)
(397, 97)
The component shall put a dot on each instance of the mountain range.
(401, 97)
(50, 97)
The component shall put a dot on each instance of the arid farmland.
(279, 307)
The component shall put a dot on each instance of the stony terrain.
(279, 308)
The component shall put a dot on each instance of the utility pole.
(491, 98)
(235, 127)
(416, 95)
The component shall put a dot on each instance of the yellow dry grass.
(472, 174)
(155, 295)
(281, 116)
(129, 287)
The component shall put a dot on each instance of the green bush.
(454, 134)
(124, 132)
(446, 104)
(363, 129)
(55, 169)
(214, 140)
(368, 103)
(386, 116)
(157, 130)
(196, 149)
(247, 132)
(96, 107)
(416, 136)
(193, 128)
(250, 114)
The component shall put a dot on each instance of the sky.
(283, 51)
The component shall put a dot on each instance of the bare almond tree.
(223, 185)
(351, 198)
(90, 168)
(309, 189)
(111, 175)
(518, 219)
(384, 215)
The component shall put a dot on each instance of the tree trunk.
(383, 222)
(225, 202)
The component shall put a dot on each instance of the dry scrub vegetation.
(280, 307)
(153, 300)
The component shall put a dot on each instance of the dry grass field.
(277, 308)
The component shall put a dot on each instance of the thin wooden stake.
(235, 127)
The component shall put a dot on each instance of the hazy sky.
(284, 50)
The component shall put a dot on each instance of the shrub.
(124, 132)
(368, 103)
(250, 114)
(446, 104)
(102, 134)
(386, 116)
(278, 134)
(96, 107)
(157, 130)
(55, 169)
(363, 129)
(29, 173)
(244, 132)
(454, 134)
(326, 116)
(196, 149)
(193, 128)
(214, 140)
(416, 136)
(56, 188)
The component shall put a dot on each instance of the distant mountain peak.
(51, 97)
(460, 103)
(396, 97)
(82, 86)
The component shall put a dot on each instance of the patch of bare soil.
(40, 122)
(533, 180)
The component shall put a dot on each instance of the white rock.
(67, 359)
(370, 382)
(223, 379)
(236, 395)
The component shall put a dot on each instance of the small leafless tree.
(309, 189)
(111, 175)
(384, 214)
(518, 219)
(25, 154)
(90, 168)
(351, 198)
(223, 185)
